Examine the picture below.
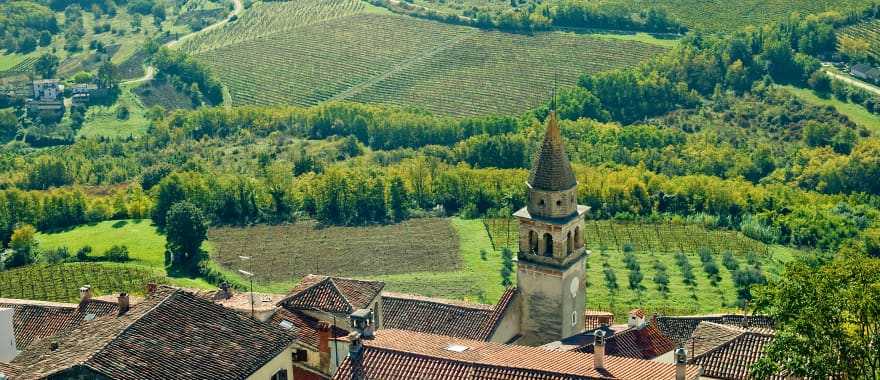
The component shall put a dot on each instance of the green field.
(855, 112)
(102, 120)
(361, 53)
(145, 244)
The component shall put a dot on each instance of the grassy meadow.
(855, 112)
(304, 54)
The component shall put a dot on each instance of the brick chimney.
(599, 349)
(356, 356)
(680, 363)
(85, 294)
(324, 346)
(123, 302)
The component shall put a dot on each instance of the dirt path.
(853, 81)
(150, 71)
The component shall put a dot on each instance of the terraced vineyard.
(381, 58)
(265, 18)
(868, 31)
(61, 282)
(24, 67)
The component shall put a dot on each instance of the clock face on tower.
(573, 287)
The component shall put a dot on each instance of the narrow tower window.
(533, 242)
(548, 245)
(569, 244)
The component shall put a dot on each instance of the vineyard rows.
(868, 31)
(605, 235)
(720, 15)
(284, 253)
(24, 67)
(61, 283)
(442, 68)
(267, 18)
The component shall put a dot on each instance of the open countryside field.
(145, 244)
(362, 53)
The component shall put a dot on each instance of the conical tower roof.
(551, 170)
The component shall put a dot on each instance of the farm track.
(399, 68)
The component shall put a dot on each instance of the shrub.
(122, 112)
(729, 261)
(56, 256)
(687, 271)
(82, 254)
(744, 279)
(610, 279)
(117, 253)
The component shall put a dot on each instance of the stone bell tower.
(551, 266)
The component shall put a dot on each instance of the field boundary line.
(360, 87)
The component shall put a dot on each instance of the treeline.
(24, 25)
(704, 64)
(532, 16)
(177, 64)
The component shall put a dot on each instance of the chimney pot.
(123, 302)
(599, 349)
(85, 293)
(680, 363)
(151, 288)
(53, 345)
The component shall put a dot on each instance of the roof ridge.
(339, 292)
(440, 301)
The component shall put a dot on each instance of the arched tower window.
(578, 240)
(533, 242)
(548, 245)
(569, 244)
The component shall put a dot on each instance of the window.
(280, 375)
(574, 317)
(300, 355)
(541, 203)
(558, 203)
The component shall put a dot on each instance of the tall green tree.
(506, 267)
(827, 319)
(46, 65)
(24, 247)
(398, 208)
(186, 230)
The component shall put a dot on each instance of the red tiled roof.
(33, 320)
(680, 328)
(405, 355)
(171, 334)
(304, 327)
(645, 343)
(638, 313)
(733, 360)
(332, 294)
(443, 317)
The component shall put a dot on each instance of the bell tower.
(551, 258)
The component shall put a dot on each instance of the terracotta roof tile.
(733, 359)
(645, 343)
(443, 317)
(551, 170)
(332, 294)
(304, 327)
(405, 355)
(171, 334)
(33, 320)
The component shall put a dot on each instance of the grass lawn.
(855, 112)
(145, 244)
(102, 120)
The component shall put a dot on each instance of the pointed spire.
(551, 170)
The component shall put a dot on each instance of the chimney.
(356, 356)
(324, 346)
(151, 288)
(7, 335)
(85, 293)
(599, 349)
(226, 290)
(123, 303)
(680, 363)
(362, 322)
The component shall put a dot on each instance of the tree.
(856, 49)
(506, 267)
(46, 65)
(8, 125)
(45, 38)
(23, 245)
(827, 319)
(158, 12)
(186, 229)
(820, 83)
(397, 199)
(107, 76)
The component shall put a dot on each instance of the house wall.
(509, 327)
(553, 301)
(284, 360)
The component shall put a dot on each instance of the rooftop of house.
(406, 355)
(34, 320)
(444, 317)
(680, 328)
(241, 301)
(332, 294)
(728, 352)
(171, 334)
(302, 325)
(640, 343)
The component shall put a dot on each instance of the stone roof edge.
(27, 302)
